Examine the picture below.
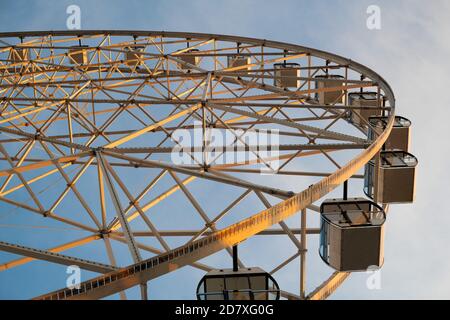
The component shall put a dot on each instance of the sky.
(410, 51)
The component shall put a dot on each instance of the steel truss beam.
(56, 257)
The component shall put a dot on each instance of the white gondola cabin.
(134, 55)
(327, 82)
(370, 104)
(78, 55)
(238, 61)
(286, 75)
(188, 57)
(351, 234)
(243, 284)
(396, 177)
(400, 134)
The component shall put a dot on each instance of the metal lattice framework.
(88, 121)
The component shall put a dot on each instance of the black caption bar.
(189, 309)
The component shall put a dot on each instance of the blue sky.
(410, 52)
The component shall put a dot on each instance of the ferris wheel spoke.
(57, 249)
(115, 224)
(26, 151)
(239, 138)
(133, 202)
(132, 215)
(246, 147)
(47, 214)
(71, 183)
(205, 232)
(285, 172)
(56, 257)
(135, 254)
(308, 128)
(285, 263)
(151, 127)
(55, 142)
(22, 179)
(205, 175)
(40, 164)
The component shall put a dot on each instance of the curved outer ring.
(260, 221)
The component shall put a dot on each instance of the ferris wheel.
(162, 150)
